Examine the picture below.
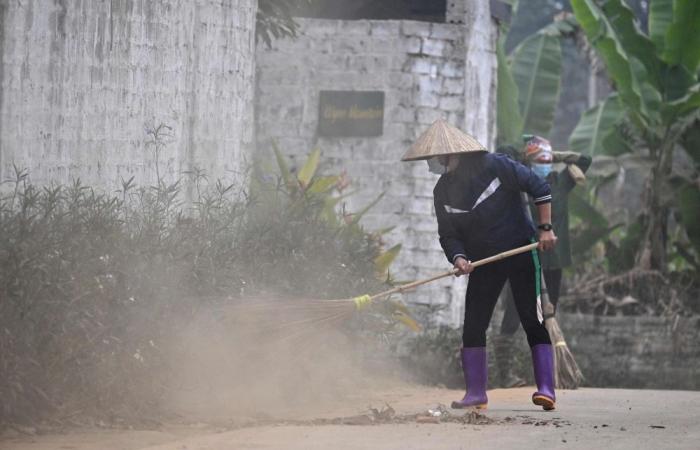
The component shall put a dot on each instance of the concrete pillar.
(481, 34)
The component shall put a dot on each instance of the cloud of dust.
(231, 363)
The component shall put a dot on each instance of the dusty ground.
(586, 418)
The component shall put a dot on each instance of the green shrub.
(91, 282)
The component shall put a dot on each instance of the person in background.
(538, 155)
(480, 213)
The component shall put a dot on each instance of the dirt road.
(586, 418)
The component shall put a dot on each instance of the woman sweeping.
(480, 213)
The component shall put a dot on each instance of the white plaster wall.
(82, 80)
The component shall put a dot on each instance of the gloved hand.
(566, 157)
(576, 174)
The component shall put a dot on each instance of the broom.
(317, 315)
(567, 374)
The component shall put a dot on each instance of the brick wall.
(636, 352)
(422, 69)
(626, 352)
(81, 81)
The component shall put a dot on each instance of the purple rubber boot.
(543, 364)
(475, 377)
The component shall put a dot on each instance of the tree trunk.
(652, 249)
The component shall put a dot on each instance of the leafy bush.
(91, 283)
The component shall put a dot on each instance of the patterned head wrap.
(536, 146)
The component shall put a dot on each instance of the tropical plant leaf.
(286, 174)
(603, 168)
(536, 71)
(329, 213)
(322, 185)
(384, 260)
(401, 313)
(308, 170)
(595, 125)
(395, 306)
(637, 45)
(660, 18)
(509, 121)
(676, 81)
(358, 215)
(580, 207)
(688, 103)
(409, 321)
(605, 38)
(650, 95)
(383, 231)
(682, 37)
(616, 143)
(587, 238)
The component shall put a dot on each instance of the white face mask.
(435, 166)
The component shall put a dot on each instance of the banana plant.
(657, 87)
(529, 81)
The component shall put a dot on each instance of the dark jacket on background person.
(561, 184)
(479, 207)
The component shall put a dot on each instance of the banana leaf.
(605, 38)
(689, 103)
(682, 44)
(676, 82)
(637, 45)
(580, 207)
(509, 121)
(616, 143)
(536, 71)
(595, 125)
(585, 240)
(660, 18)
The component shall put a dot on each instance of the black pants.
(510, 322)
(485, 285)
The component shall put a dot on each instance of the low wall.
(635, 352)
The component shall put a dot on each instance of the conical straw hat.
(442, 139)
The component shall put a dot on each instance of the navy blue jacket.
(479, 208)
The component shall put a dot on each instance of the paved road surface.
(585, 419)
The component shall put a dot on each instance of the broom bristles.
(567, 374)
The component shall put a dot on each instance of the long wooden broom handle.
(481, 262)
